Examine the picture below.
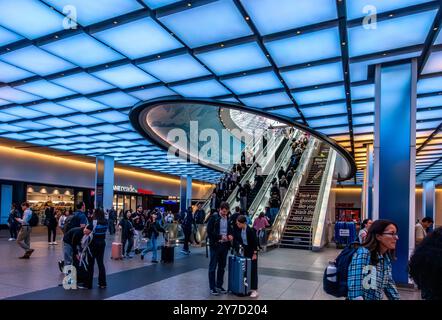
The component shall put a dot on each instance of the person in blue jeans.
(153, 229)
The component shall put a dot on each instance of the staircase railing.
(320, 213)
(263, 196)
(290, 196)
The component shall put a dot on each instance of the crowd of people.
(84, 243)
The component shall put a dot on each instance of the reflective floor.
(283, 274)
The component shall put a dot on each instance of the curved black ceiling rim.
(138, 109)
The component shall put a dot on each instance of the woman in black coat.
(127, 233)
(51, 223)
(245, 236)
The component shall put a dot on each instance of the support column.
(104, 182)
(395, 154)
(367, 187)
(185, 192)
(429, 200)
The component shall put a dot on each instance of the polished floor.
(284, 274)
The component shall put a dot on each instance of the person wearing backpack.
(24, 236)
(373, 259)
(75, 220)
(96, 230)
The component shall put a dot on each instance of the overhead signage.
(128, 189)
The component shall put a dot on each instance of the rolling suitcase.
(239, 275)
(167, 254)
(117, 249)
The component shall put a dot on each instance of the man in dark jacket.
(245, 237)
(187, 223)
(233, 217)
(219, 234)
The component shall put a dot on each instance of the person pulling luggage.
(245, 237)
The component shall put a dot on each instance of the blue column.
(429, 200)
(185, 192)
(6, 201)
(395, 154)
(104, 182)
(367, 187)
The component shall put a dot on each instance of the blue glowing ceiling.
(71, 70)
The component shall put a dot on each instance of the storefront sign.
(144, 191)
(128, 189)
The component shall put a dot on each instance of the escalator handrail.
(279, 224)
(249, 174)
(253, 210)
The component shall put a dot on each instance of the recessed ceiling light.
(189, 4)
(391, 15)
(115, 22)
(247, 18)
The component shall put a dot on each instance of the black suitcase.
(167, 254)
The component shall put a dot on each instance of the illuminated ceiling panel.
(17, 96)
(61, 91)
(267, 100)
(319, 95)
(253, 83)
(152, 93)
(175, 68)
(36, 60)
(234, 59)
(9, 73)
(45, 89)
(363, 8)
(207, 24)
(74, 48)
(434, 63)
(306, 47)
(205, 89)
(317, 75)
(83, 83)
(390, 34)
(88, 12)
(288, 14)
(139, 38)
(155, 4)
(331, 109)
(29, 18)
(125, 76)
(6, 37)
(116, 100)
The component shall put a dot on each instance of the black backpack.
(71, 221)
(34, 220)
(339, 288)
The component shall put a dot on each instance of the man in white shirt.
(24, 236)
(421, 229)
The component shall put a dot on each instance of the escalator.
(297, 232)
(257, 187)
(301, 218)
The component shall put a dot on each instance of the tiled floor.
(284, 274)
